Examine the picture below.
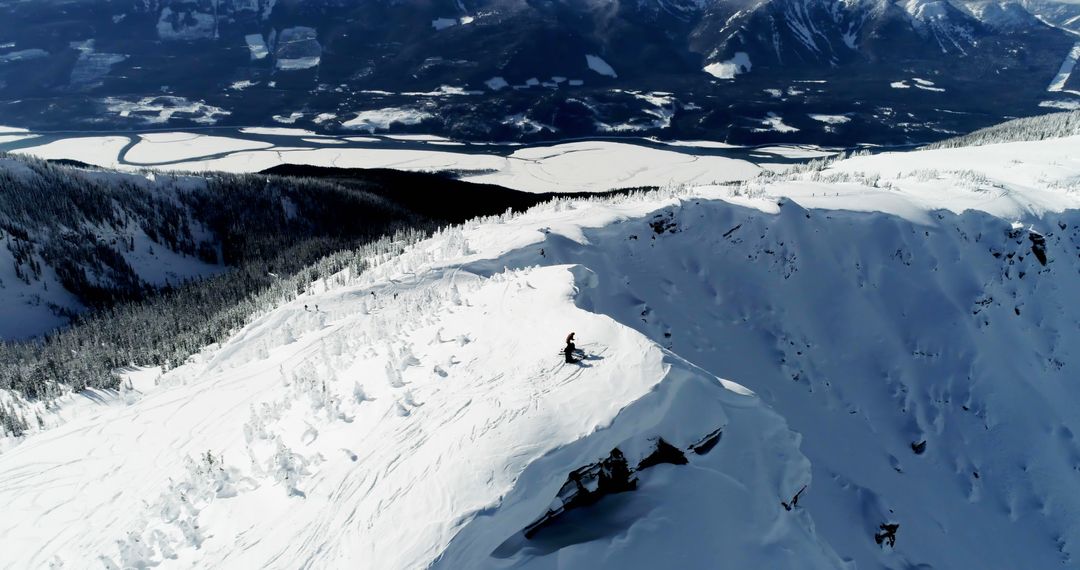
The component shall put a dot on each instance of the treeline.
(166, 328)
(279, 233)
(81, 222)
(1051, 126)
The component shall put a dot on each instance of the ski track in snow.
(422, 415)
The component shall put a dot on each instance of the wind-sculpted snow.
(904, 352)
(915, 359)
(374, 429)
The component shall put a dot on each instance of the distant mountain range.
(827, 71)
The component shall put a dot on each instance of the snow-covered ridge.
(1009, 16)
(885, 307)
(435, 357)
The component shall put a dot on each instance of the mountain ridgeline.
(1052, 126)
(150, 268)
(520, 70)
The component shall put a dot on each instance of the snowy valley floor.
(571, 166)
(900, 333)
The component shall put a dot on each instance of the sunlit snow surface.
(419, 414)
(729, 69)
(567, 167)
(597, 64)
(185, 146)
(1067, 67)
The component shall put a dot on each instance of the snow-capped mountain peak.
(1009, 16)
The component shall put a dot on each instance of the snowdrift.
(905, 353)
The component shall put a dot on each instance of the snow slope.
(29, 308)
(910, 335)
(1067, 66)
(423, 401)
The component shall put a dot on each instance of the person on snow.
(570, 348)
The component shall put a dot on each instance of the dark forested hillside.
(84, 223)
(1054, 125)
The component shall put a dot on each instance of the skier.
(570, 348)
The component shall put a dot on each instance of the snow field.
(381, 119)
(830, 119)
(99, 151)
(597, 64)
(185, 146)
(360, 419)
(774, 122)
(598, 166)
(569, 167)
(1008, 180)
(730, 68)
